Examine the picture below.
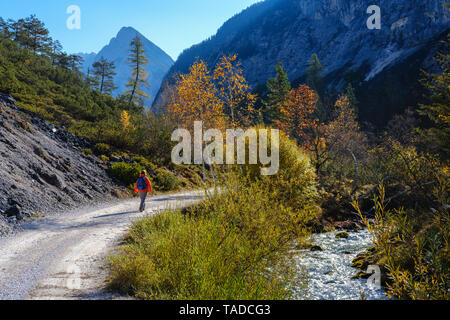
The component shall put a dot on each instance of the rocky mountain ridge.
(379, 63)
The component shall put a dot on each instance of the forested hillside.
(382, 65)
(47, 82)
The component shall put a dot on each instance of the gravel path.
(63, 257)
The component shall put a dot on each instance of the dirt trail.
(63, 257)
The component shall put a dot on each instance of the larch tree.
(139, 75)
(196, 99)
(279, 88)
(103, 70)
(345, 141)
(234, 91)
(297, 111)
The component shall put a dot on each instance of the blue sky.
(173, 25)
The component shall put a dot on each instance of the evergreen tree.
(138, 79)
(55, 51)
(279, 88)
(75, 62)
(315, 81)
(103, 70)
(91, 81)
(17, 30)
(36, 36)
(349, 92)
(438, 109)
(4, 29)
(314, 74)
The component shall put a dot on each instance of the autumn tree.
(103, 71)
(346, 144)
(234, 92)
(139, 75)
(125, 120)
(298, 114)
(279, 88)
(196, 99)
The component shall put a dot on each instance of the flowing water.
(329, 271)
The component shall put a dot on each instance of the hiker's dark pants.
(143, 196)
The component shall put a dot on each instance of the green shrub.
(165, 180)
(295, 181)
(88, 152)
(102, 148)
(148, 165)
(104, 158)
(126, 172)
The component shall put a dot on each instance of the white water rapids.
(329, 271)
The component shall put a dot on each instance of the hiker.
(143, 187)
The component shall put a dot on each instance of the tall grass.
(234, 245)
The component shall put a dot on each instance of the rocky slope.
(118, 50)
(383, 65)
(43, 169)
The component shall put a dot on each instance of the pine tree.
(75, 62)
(438, 109)
(17, 30)
(91, 81)
(103, 71)
(315, 81)
(314, 74)
(138, 61)
(36, 35)
(351, 95)
(279, 88)
(55, 51)
(4, 29)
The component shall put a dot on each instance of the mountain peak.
(118, 50)
(127, 32)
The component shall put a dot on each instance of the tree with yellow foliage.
(234, 92)
(196, 99)
(125, 121)
(345, 141)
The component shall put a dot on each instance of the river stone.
(342, 235)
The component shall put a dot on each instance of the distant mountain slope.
(292, 30)
(118, 50)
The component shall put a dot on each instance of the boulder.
(13, 211)
(342, 235)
